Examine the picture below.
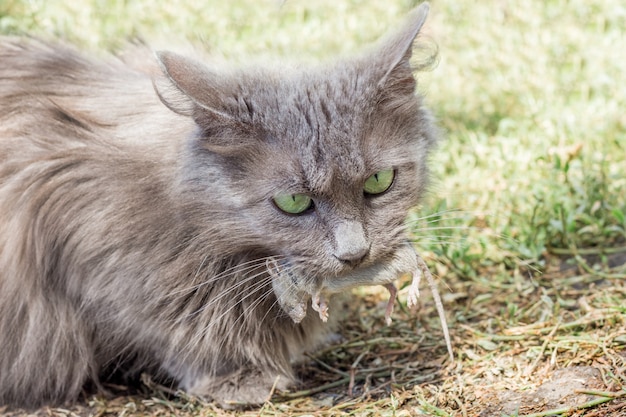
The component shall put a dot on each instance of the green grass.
(526, 221)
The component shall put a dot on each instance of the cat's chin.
(293, 291)
(404, 260)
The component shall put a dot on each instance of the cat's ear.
(394, 52)
(190, 86)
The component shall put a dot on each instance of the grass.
(525, 224)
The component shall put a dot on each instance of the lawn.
(524, 225)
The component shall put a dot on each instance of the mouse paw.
(393, 294)
(320, 304)
(414, 289)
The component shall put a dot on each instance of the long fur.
(136, 214)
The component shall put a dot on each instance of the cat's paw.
(244, 389)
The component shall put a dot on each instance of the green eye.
(379, 182)
(293, 203)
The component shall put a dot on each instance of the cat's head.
(317, 167)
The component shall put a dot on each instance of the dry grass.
(528, 234)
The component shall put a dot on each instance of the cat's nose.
(353, 258)
(351, 244)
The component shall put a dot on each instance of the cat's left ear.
(394, 52)
(190, 86)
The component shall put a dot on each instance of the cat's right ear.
(393, 55)
(189, 86)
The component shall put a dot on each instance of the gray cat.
(180, 219)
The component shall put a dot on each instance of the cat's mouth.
(293, 291)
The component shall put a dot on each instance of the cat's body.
(136, 226)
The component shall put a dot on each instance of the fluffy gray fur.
(136, 214)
